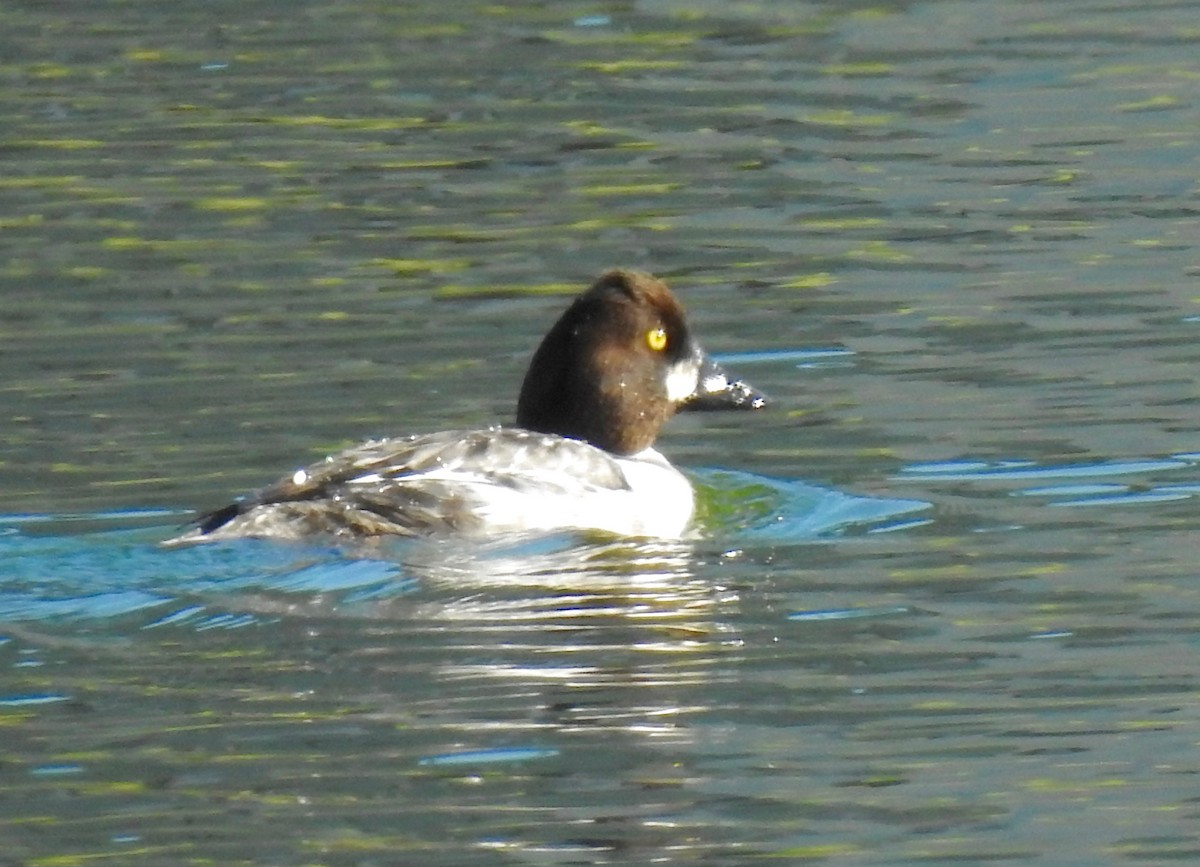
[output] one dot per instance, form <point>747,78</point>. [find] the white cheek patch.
<point>681,381</point>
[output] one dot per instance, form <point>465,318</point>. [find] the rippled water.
<point>945,604</point>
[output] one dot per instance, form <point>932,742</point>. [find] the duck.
<point>616,366</point>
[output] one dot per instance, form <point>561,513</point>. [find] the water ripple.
<point>1068,494</point>
<point>53,574</point>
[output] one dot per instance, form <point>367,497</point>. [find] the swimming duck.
<point>617,364</point>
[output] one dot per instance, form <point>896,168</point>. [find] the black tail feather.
<point>218,518</point>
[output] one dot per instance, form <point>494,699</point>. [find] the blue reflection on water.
<point>763,509</point>
<point>832,356</point>
<point>489,757</point>
<point>827,614</point>
<point>55,770</point>
<point>49,573</point>
<point>972,470</point>
<point>1096,493</point>
<point>52,572</point>
<point>28,700</point>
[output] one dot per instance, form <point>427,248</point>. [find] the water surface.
<point>944,607</point>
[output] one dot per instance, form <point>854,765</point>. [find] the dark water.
<point>946,604</point>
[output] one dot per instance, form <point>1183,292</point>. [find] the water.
<point>944,608</point>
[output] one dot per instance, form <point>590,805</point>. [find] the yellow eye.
<point>656,339</point>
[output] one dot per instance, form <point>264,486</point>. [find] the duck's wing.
<point>411,485</point>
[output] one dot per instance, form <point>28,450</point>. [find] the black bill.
<point>715,390</point>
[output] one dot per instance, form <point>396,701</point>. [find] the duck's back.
<point>469,482</point>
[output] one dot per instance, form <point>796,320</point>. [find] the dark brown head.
<point>615,367</point>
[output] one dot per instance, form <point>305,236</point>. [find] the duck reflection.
<point>609,633</point>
